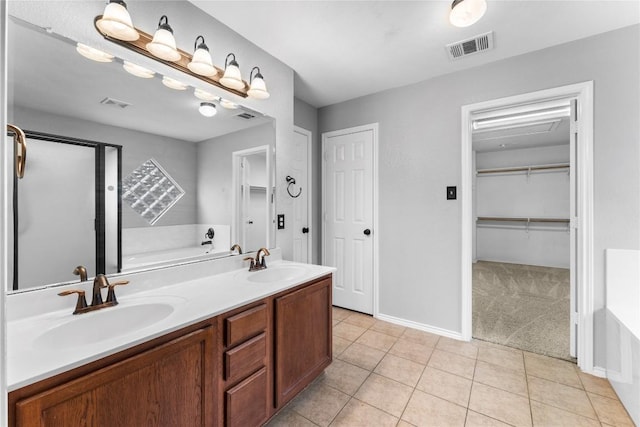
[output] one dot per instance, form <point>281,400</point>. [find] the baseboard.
<point>598,371</point>
<point>420,326</point>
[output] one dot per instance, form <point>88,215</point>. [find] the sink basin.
<point>274,274</point>
<point>104,324</point>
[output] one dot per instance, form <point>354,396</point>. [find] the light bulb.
<point>163,45</point>
<point>116,22</point>
<point>232,77</point>
<point>258,89</point>
<point>467,12</point>
<point>207,109</point>
<point>201,62</point>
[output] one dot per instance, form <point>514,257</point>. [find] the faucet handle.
<point>111,295</point>
<point>82,301</point>
<point>253,262</point>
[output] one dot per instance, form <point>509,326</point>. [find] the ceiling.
<point>342,50</point>
<point>542,134</point>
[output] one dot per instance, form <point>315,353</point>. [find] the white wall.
<point>541,194</point>
<point>420,154</point>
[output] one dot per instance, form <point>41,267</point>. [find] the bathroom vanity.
<point>235,349</point>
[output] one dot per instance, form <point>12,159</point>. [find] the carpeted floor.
<point>522,306</point>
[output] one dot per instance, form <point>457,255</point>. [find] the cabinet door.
<point>170,385</point>
<point>303,338</point>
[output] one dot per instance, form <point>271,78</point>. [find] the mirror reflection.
<point>126,172</point>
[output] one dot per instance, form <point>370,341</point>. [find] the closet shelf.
<point>527,169</point>
<point>519,219</point>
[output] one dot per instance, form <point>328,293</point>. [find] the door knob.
<point>305,229</point>
<point>367,232</point>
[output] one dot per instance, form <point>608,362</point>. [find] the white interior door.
<point>348,216</point>
<point>301,212</point>
<point>246,222</point>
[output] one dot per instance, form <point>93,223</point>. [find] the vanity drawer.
<point>245,325</point>
<point>245,403</point>
<point>245,358</point>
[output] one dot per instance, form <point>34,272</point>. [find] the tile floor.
<point>388,375</point>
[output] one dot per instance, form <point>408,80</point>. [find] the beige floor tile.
<point>427,410</point>
<point>334,322</point>
<point>362,355</point>
<point>501,357</point>
<point>341,313</point>
<point>560,396</point>
<point>597,385</point>
<point>289,418</point>
<point>377,340</point>
<point>421,337</point>
<point>385,394</point>
<point>503,378</point>
<point>359,414</point>
<point>359,319</point>
<point>610,411</point>
<point>344,376</point>
<point>399,369</point>
<point>320,403</point>
<point>552,369</point>
<point>348,331</point>
<point>501,405</point>
<point>403,423</point>
<point>445,386</point>
<point>452,363</point>
<point>339,345</point>
<point>466,349</point>
<point>545,415</point>
<point>412,350</point>
<point>475,419</point>
<point>388,328</point>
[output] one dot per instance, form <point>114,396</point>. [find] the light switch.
<point>280,221</point>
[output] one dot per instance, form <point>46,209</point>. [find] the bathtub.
<point>623,327</point>
<point>170,256</point>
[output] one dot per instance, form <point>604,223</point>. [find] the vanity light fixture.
<point>201,62</point>
<point>137,70</point>
<point>229,105</point>
<point>116,22</point>
<point>207,109</point>
<point>173,83</point>
<point>204,95</point>
<point>258,88</point>
<point>93,53</point>
<point>163,45</point>
<point>466,12</point>
<point>232,77</point>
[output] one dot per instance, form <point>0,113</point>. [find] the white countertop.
<point>193,300</point>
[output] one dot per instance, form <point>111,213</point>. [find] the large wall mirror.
<point>125,173</point>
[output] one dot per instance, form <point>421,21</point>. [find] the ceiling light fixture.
<point>204,95</point>
<point>137,70</point>
<point>163,45</point>
<point>207,109</point>
<point>229,105</point>
<point>467,12</point>
<point>173,83</point>
<point>93,53</point>
<point>232,77</point>
<point>532,117</point>
<point>258,88</point>
<point>201,62</point>
<point>116,22</point>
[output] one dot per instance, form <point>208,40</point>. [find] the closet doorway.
<point>527,241</point>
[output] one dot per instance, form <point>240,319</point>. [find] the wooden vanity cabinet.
<point>170,384</point>
<point>303,338</point>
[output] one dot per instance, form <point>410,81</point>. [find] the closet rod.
<point>524,168</point>
<point>494,218</point>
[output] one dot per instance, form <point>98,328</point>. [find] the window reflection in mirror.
<point>55,90</point>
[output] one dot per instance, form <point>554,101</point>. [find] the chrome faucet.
<point>97,303</point>
<point>258,263</point>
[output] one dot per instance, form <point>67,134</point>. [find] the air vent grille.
<point>114,102</point>
<point>246,116</point>
<point>470,46</point>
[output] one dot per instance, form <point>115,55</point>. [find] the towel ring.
<point>292,181</point>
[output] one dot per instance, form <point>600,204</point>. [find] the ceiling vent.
<point>470,46</point>
<point>245,116</point>
<point>114,103</point>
